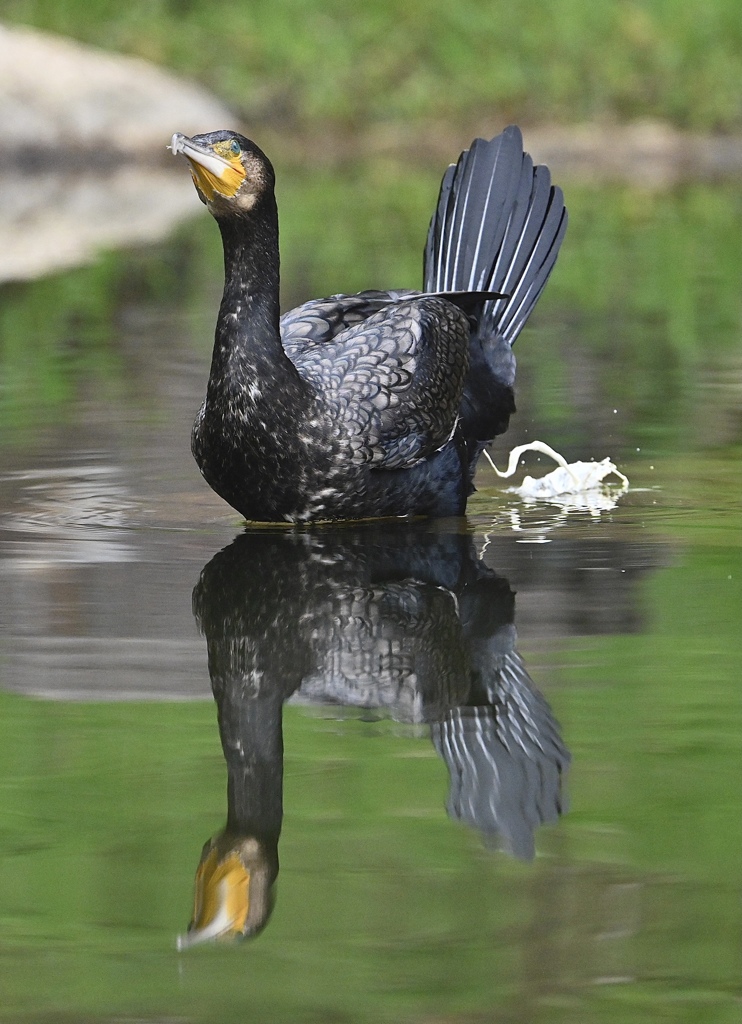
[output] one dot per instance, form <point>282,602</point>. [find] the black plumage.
<point>394,619</point>
<point>380,403</point>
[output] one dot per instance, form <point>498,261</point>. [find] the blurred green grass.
<point>338,63</point>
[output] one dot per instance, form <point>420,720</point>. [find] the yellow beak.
<point>213,174</point>
<point>222,900</point>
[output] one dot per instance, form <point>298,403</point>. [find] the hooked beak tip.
<point>176,144</point>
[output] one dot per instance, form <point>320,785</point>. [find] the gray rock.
<point>83,164</point>
<point>56,94</point>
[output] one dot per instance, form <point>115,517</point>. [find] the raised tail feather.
<point>498,227</point>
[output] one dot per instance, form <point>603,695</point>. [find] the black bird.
<point>380,403</point>
<point>400,619</point>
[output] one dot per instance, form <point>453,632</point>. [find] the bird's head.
<point>231,173</point>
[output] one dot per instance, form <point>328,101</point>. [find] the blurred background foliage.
<point>339,64</point>
<point>315,83</point>
<point>647,284</point>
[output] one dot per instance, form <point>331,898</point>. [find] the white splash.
<point>573,484</point>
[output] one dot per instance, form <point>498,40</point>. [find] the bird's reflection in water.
<point>401,617</point>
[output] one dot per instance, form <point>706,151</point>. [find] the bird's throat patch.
<point>222,177</point>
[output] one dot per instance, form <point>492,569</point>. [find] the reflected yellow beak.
<point>222,900</point>
<point>213,173</point>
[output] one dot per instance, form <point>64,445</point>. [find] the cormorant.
<point>401,619</point>
<point>376,404</point>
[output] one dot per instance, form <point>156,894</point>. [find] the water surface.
<point>580,863</point>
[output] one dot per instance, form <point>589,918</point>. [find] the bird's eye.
<point>235,147</point>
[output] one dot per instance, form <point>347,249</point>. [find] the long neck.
<point>247,346</point>
<point>250,729</point>
<point>253,749</point>
<point>251,272</point>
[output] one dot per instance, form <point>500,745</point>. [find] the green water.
<point>112,774</point>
